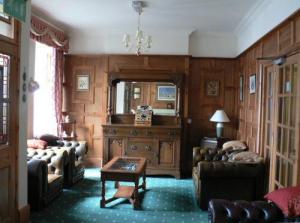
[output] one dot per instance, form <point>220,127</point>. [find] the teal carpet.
<point>165,200</point>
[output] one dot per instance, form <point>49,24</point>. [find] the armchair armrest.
<point>37,182</point>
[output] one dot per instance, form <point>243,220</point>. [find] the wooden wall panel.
<point>202,107</point>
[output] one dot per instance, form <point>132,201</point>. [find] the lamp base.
<point>220,129</point>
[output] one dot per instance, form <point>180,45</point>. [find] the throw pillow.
<point>36,144</point>
<point>234,145</point>
<point>287,199</point>
<point>50,139</point>
<point>245,157</point>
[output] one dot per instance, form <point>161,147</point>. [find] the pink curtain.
<point>42,32</point>
<point>59,67</point>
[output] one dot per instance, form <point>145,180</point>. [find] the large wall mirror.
<point>161,96</point>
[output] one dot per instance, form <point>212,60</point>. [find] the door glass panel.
<point>280,80</point>
<point>268,142</point>
<point>280,108</point>
<point>287,84</point>
<point>283,170</point>
<point>294,77</point>
<point>286,108</point>
<point>293,112</point>
<point>292,149</point>
<point>284,142</point>
<point>278,139</point>
<point>269,109</point>
<point>277,168</point>
<point>290,175</point>
<point>4,98</point>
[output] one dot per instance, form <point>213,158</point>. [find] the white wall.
<point>212,45</point>
<point>262,20</point>
<point>22,153</point>
<point>175,43</point>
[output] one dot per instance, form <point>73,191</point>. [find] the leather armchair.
<point>45,181</point>
<point>226,180</point>
<point>224,211</point>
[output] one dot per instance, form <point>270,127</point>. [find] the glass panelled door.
<point>286,125</point>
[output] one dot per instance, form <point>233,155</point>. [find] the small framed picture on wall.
<point>252,84</point>
<point>82,82</point>
<point>212,88</point>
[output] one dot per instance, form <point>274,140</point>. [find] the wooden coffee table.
<point>127,169</point>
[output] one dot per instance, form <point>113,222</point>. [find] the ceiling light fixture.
<point>142,42</point>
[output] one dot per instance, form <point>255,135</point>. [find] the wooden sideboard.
<point>159,144</point>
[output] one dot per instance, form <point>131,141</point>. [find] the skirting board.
<point>24,214</point>
<point>93,162</point>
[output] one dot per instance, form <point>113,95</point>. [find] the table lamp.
<point>219,117</point>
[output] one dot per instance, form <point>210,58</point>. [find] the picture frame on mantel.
<point>212,88</point>
<point>252,84</point>
<point>82,82</point>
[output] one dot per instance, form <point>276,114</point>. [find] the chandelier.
<point>141,42</point>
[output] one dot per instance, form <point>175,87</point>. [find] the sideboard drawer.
<point>143,147</point>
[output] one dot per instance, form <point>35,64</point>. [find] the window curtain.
<point>45,33</point>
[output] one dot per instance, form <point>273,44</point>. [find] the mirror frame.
<point>143,76</point>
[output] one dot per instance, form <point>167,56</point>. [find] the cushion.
<point>36,144</point>
<point>287,199</point>
<point>245,157</point>
<point>50,139</point>
<point>234,145</point>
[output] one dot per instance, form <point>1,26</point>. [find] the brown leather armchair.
<point>226,180</point>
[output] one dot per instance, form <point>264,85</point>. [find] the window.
<point>44,120</point>
<point>6,24</point>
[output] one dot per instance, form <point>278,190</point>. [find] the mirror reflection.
<point>160,96</point>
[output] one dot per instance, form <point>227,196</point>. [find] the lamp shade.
<point>219,116</point>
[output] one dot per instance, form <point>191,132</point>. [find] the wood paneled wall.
<point>283,39</point>
<point>202,107</point>
<point>89,108</point>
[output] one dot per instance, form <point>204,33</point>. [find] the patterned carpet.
<point>165,200</point>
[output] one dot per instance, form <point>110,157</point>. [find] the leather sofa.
<point>226,180</point>
<point>73,153</point>
<point>224,211</point>
<point>45,180</point>
<point>74,168</point>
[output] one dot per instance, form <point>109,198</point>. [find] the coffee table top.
<point>125,165</point>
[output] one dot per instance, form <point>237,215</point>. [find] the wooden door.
<point>268,118</point>
<point>8,131</point>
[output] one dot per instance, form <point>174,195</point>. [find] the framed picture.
<point>82,82</point>
<point>252,84</point>
<point>241,88</point>
<point>212,88</point>
<point>166,93</point>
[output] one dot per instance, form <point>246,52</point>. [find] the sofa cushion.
<point>287,199</point>
<point>36,144</point>
<point>234,145</point>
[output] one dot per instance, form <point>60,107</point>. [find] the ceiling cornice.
<point>256,10</point>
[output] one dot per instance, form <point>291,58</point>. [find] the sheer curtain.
<point>44,114</point>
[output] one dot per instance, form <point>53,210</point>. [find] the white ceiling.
<point>98,16</point>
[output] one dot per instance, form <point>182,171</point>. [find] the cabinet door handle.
<point>148,148</point>
<point>133,132</point>
<point>133,147</point>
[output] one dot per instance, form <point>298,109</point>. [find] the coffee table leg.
<point>136,203</point>
<point>102,204</point>
<point>116,184</point>
<point>144,181</point>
